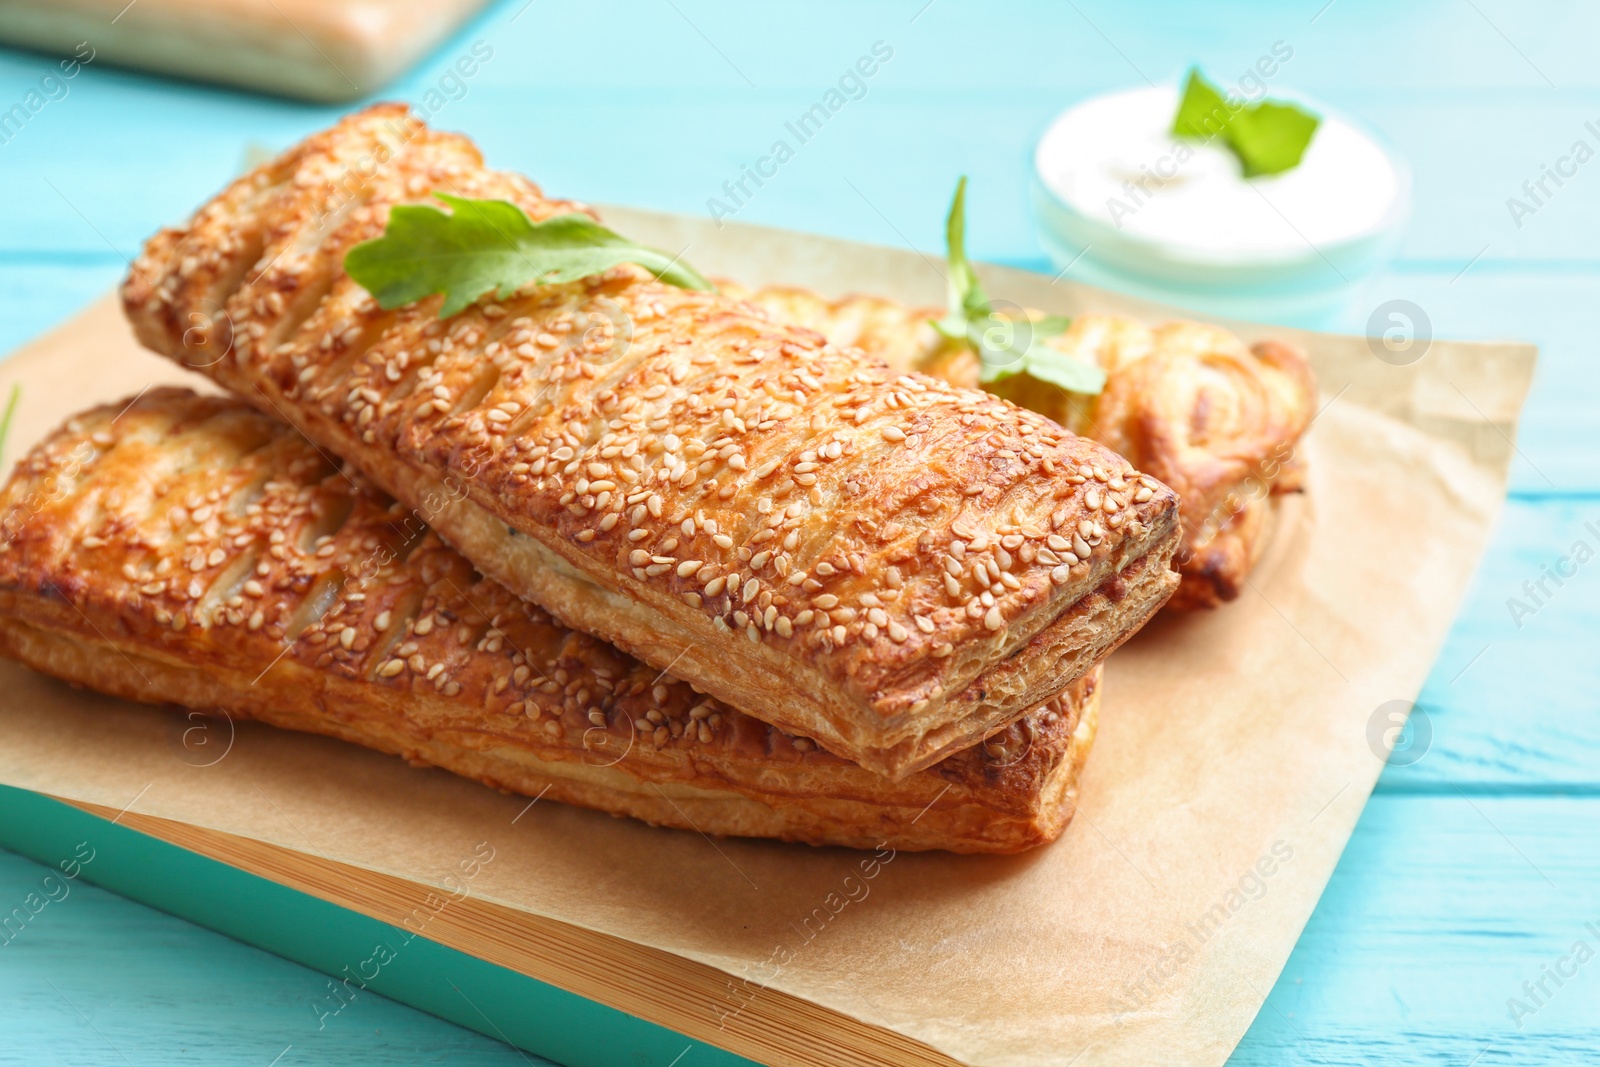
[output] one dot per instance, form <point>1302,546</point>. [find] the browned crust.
<point>191,550</point>
<point>1186,403</point>
<point>846,551</point>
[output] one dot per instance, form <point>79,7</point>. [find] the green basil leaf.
<point>1005,346</point>
<point>485,246</point>
<point>1069,372</point>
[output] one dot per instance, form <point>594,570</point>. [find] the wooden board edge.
<point>691,998</point>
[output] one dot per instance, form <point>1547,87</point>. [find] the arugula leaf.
<point>1268,138</point>
<point>486,246</point>
<point>1007,342</point>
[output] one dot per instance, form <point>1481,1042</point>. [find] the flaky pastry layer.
<point>878,560</point>
<point>191,550</point>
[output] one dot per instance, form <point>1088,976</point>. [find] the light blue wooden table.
<point>1473,869</point>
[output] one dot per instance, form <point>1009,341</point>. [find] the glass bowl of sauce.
<point>1124,204</point>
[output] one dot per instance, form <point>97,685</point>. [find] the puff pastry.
<point>191,550</point>
<point>883,562</point>
<point>1187,403</point>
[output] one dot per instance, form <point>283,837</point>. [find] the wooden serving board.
<point>326,50</point>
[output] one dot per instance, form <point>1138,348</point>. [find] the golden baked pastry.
<point>1187,403</point>
<point>191,550</point>
<point>881,561</point>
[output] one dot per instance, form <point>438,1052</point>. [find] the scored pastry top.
<point>892,535</point>
<point>1186,402</point>
<point>199,531</point>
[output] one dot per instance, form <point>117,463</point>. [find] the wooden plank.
<point>1510,703</point>
<point>36,294</point>
<point>893,145</point>
<point>1440,910</point>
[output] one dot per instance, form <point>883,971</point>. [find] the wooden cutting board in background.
<point>325,50</point>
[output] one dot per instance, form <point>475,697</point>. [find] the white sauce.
<point>1112,159</point>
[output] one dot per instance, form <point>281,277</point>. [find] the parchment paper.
<point>1235,753</point>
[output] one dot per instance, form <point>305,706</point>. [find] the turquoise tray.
<point>533,1015</point>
